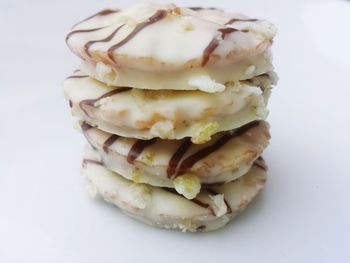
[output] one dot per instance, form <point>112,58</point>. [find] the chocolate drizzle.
<point>91,102</point>
<point>110,140</point>
<point>214,43</point>
<point>90,43</point>
<point>201,228</point>
<point>160,14</point>
<point>234,20</point>
<point>137,149</point>
<point>86,161</point>
<point>204,205</point>
<point>85,126</point>
<point>70,103</point>
<point>198,8</point>
<point>176,158</point>
<point>194,200</point>
<point>259,165</point>
<point>204,152</point>
<point>82,31</point>
<point>104,12</point>
<point>77,76</point>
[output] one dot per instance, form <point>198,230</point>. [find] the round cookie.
<point>157,46</point>
<point>213,208</point>
<point>181,164</point>
<point>145,114</point>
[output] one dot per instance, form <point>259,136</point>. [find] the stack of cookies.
<point>172,102</point>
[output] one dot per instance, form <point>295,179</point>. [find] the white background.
<point>303,213</point>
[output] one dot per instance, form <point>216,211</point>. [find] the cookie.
<point>181,164</point>
<point>213,208</point>
<point>145,114</point>
<point>158,46</point>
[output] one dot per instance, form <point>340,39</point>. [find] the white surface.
<point>303,214</point>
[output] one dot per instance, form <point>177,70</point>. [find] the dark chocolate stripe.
<point>137,149</point>
<point>213,192</point>
<point>214,43</point>
<point>262,167</point>
<point>91,102</point>
<point>233,20</point>
<point>70,103</point>
<point>86,161</point>
<point>208,50</point>
<point>85,126</point>
<point>175,159</point>
<point>110,140</point>
<point>77,76</point>
<point>82,31</point>
<point>198,8</point>
<point>160,14</point>
<point>109,38</point>
<point>191,160</point>
<point>201,228</point>
<point>104,12</point>
<point>202,204</point>
<point>194,200</point>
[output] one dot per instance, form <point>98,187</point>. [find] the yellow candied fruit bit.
<point>136,175</point>
<point>187,185</point>
<point>141,195</point>
<point>176,11</point>
<point>148,158</point>
<point>187,27</point>
<point>205,132</point>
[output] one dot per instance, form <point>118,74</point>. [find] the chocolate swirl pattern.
<point>137,149</point>
<point>160,14</point>
<point>107,39</point>
<point>82,31</point>
<point>234,20</point>
<point>177,156</point>
<point>214,43</point>
<point>91,103</point>
<point>109,142</point>
<point>187,163</point>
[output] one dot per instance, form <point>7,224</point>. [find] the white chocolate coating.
<point>168,114</point>
<point>225,164</point>
<point>169,53</point>
<point>213,208</point>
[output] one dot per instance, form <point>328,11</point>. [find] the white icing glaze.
<point>172,44</point>
<point>228,163</point>
<point>165,114</point>
<point>157,207</point>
